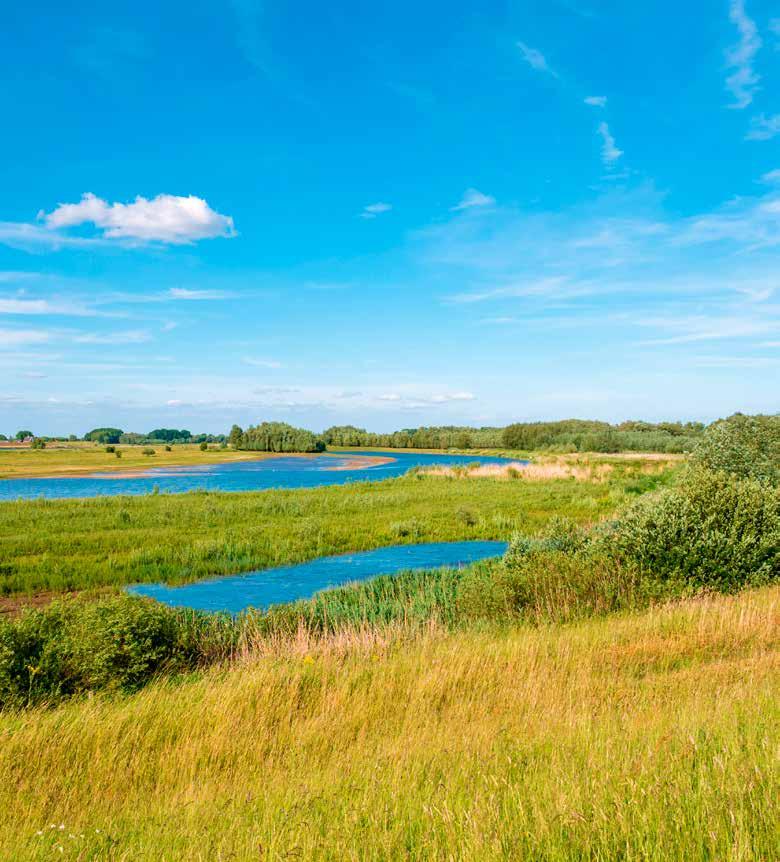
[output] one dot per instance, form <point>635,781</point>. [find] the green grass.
<point>647,736</point>
<point>59,545</point>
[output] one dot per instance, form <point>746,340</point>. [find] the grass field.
<point>639,737</point>
<point>72,459</point>
<point>57,545</point>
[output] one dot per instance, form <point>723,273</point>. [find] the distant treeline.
<point>158,435</point>
<point>571,435</point>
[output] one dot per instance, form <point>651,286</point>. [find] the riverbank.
<point>88,460</point>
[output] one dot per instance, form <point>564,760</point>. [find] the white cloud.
<point>187,293</point>
<point>45,306</point>
<point>453,396</point>
<point>473,198</point>
<point>166,218</point>
<point>390,396</point>
<point>609,152</point>
<point>742,83</point>
<point>18,337</point>
<point>771,177</point>
<point>763,128</point>
<point>596,101</point>
<point>534,58</point>
<point>373,210</point>
<point>261,363</point>
<point>135,336</point>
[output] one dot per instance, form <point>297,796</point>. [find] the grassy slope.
<point>647,737</point>
<point>78,544</point>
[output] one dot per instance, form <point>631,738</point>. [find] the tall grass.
<point>642,737</point>
<point>80,544</point>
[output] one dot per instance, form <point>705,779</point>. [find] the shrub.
<point>747,446</point>
<point>168,448</point>
<point>204,446</point>
<point>118,453</point>
<point>711,530</point>
<point>119,643</point>
<point>110,449</point>
<point>148,451</point>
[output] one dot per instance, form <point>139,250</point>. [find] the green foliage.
<point>234,438</point>
<point>578,435</point>
<point>280,437</point>
<point>711,531</point>
<point>148,451</point>
<point>111,449</point>
<point>441,437</point>
<point>167,435</point>
<point>204,446</point>
<point>118,643</point>
<point>38,443</point>
<point>104,435</point>
<point>23,435</point>
<point>747,446</point>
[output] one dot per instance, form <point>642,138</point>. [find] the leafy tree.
<point>104,435</point>
<point>21,435</point>
<point>747,446</point>
<point>280,437</point>
<point>234,438</point>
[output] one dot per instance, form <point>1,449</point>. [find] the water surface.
<point>262,589</point>
<point>278,472</point>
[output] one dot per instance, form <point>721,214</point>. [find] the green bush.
<point>111,449</point>
<point>204,446</point>
<point>148,451</point>
<point>747,446</point>
<point>120,643</point>
<point>711,530</point>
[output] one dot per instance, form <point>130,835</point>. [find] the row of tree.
<point>158,435</point>
<point>571,435</point>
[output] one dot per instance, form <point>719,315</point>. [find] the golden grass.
<point>644,737</point>
<point>527,472</point>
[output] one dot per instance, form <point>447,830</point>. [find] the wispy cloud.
<point>535,58</point>
<point>473,198</point>
<point>743,82</point>
<point>596,101</point>
<point>187,293</point>
<point>261,363</point>
<point>134,336</point>
<point>763,128</point>
<point>373,210</point>
<point>11,338</point>
<point>609,151</point>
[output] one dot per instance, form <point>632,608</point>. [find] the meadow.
<point>88,543</point>
<point>608,690</point>
<point>78,458</point>
<point>641,736</point>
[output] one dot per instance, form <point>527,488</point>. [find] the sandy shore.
<point>362,462</point>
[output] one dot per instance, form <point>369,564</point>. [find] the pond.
<point>287,583</point>
<point>276,472</point>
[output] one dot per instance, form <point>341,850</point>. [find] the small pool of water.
<point>262,589</point>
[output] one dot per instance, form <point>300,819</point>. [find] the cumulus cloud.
<point>763,128</point>
<point>166,218</point>
<point>373,210</point>
<point>609,151</point>
<point>742,83</point>
<point>473,198</point>
<point>596,101</point>
<point>534,58</point>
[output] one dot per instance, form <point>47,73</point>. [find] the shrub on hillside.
<point>711,530</point>
<point>118,643</point>
<point>747,446</point>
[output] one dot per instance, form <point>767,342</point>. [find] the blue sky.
<point>388,214</point>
